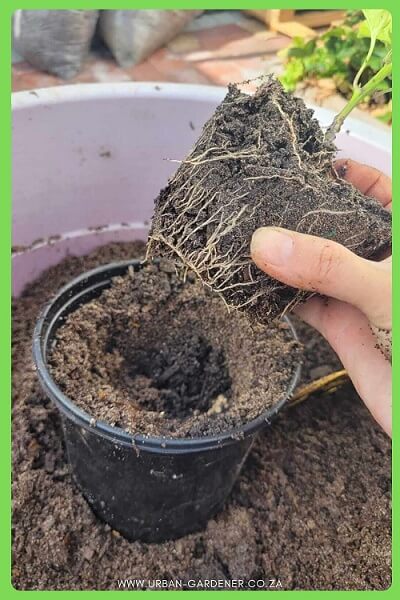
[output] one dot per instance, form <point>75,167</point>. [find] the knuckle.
<point>328,261</point>
<point>375,183</point>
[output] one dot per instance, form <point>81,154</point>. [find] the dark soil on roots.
<point>157,356</point>
<point>311,506</point>
<point>260,160</point>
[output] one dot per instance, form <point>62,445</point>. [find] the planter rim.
<point>164,445</point>
<point>83,92</point>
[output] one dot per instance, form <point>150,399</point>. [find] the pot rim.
<point>118,435</point>
<point>83,92</point>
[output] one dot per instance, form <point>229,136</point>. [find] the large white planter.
<point>90,156</point>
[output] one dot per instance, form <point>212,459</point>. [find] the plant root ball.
<point>260,160</point>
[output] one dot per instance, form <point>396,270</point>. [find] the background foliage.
<point>338,54</point>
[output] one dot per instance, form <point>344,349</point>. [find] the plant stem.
<point>358,95</point>
<point>365,63</point>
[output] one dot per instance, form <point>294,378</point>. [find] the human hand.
<point>359,292</point>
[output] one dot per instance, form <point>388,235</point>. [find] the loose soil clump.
<point>261,160</point>
<point>311,506</point>
<point>158,356</point>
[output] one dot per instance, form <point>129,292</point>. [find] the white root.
<point>289,122</point>
<point>217,271</point>
<point>322,211</point>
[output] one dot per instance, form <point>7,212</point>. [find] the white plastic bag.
<point>132,35</point>
<point>56,41</point>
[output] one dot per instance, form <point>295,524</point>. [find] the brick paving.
<point>218,48</point>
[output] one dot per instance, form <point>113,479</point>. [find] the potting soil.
<point>157,356</point>
<point>311,509</point>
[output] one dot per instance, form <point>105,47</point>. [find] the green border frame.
<point>7,7</point>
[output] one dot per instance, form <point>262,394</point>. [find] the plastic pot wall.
<point>86,156</point>
<point>148,488</point>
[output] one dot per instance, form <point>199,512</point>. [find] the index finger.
<point>368,180</point>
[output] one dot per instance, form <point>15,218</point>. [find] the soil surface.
<point>157,356</point>
<point>311,507</point>
<point>260,160</point>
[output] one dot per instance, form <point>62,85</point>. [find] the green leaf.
<point>356,55</point>
<point>336,32</point>
<point>353,17</point>
<point>300,52</point>
<point>294,73</point>
<point>377,26</point>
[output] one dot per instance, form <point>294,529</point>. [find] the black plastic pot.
<point>147,488</point>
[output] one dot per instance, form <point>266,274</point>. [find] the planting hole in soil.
<point>158,356</point>
<point>260,160</point>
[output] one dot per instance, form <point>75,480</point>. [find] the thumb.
<point>319,265</point>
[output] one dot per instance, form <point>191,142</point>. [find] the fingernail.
<point>271,245</point>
